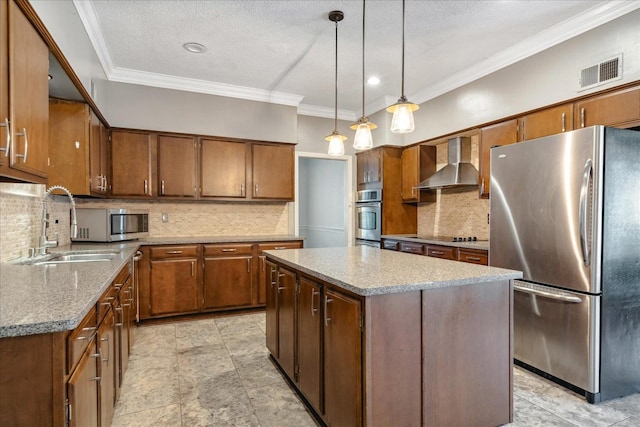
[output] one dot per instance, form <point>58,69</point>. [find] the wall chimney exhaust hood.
<point>459,172</point>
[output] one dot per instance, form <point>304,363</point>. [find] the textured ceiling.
<point>282,48</point>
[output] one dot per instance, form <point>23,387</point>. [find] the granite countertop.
<point>370,271</point>
<point>37,299</point>
<point>480,244</point>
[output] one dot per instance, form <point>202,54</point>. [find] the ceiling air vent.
<point>597,74</point>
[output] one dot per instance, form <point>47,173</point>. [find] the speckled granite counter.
<point>480,244</point>
<point>370,271</point>
<point>38,299</point>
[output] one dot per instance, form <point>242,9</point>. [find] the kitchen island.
<point>374,337</point>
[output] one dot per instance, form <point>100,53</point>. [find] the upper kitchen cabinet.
<point>272,171</point>
<point>131,164</point>
<point>223,167</point>
<point>504,133</point>
<point>77,148</point>
<point>546,122</point>
<point>177,156</point>
<point>369,168</point>
<point>418,163</point>
<point>24,69</point>
<point>620,109</point>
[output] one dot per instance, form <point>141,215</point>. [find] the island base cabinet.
<point>271,308</point>
<point>467,376</point>
<point>342,360</point>
<point>286,288</point>
<point>309,341</point>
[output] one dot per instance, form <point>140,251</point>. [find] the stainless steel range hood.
<point>459,172</point>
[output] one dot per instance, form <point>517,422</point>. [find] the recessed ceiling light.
<point>373,81</point>
<point>194,47</point>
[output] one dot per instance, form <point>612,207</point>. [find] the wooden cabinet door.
<point>5,136</point>
<point>82,390</point>
<point>410,173</point>
<point>342,360</point>
<point>272,171</point>
<point>176,166</point>
<point>271,308</point>
<point>473,256</point>
<point>309,342</point>
<point>361,168</point>
<point>286,320</point>
<point>444,252</point>
<point>97,169</point>
<point>614,109</point>
<point>69,146</point>
<point>228,282</point>
<point>107,346</point>
<point>28,96</point>
<point>123,315</point>
<point>546,122</point>
<point>262,265</point>
<point>223,167</point>
<point>374,166</point>
<point>174,286</point>
<point>130,164</point>
<point>504,133</point>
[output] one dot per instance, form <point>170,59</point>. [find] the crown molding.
<point>91,23</point>
<point>326,112</point>
<point>581,23</point>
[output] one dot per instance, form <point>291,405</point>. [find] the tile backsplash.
<point>21,218</point>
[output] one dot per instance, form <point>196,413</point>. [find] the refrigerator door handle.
<point>584,213</point>
<point>558,295</point>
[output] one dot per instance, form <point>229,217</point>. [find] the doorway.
<point>323,208</point>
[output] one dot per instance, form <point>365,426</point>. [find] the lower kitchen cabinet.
<point>228,276</point>
<point>444,252</point>
<point>107,346</point>
<point>474,256</point>
<point>310,341</point>
<point>286,306</point>
<point>262,270</point>
<point>342,360</point>
<point>82,389</point>
<point>271,308</point>
<point>174,285</point>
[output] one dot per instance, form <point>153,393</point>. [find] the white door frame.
<point>294,226</point>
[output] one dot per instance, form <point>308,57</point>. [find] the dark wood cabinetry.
<point>176,166</point>
<point>272,171</point>
<point>309,314</point>
<point>174,285</point>
<point>24,104</point>
<point>286,306</point>
<point>546,122</point>
<point>82,389</point>
<point>99,171</point>
<point>418,163</point>
<point>223,168</point>
<point>369,168</point>
<point>271,308</point>
<point>504,133</point>
<point>411,247</point>
<point>474,256</point>
<point>131,164</point>
<point>620,109</point>
<point>228,276</point>
<point>107,346</point>
<point>262,266</point>
<point>444,252</point>
<point>342,360</point>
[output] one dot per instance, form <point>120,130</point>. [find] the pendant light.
<point>336,139</point>
<point>402,121</point>
<point>363,128</point>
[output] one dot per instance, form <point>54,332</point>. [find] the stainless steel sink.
<point>76,258</point>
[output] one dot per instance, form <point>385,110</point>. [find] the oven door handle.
<point>368,204</point>
<point>557,295</point>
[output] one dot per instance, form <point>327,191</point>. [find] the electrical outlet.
<point>488,218</point>
<point>165,217</point>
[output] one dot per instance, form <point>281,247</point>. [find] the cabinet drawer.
<point>80,338</point>
<point>275,246</point>
<point>228,249</point>
<point>174,251</point>
<point>393,245</point>
<point>413,248</point>
<point>104,303</point>
<point>445,252</point>
<point>474,256</point>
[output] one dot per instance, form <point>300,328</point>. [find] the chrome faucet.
<point>44,242</point>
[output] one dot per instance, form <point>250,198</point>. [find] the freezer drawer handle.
<point>553,295</point>
<point>583,213</point>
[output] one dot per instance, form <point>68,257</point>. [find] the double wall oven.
<point>369,217</point>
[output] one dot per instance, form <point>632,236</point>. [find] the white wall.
<point>321,198</point>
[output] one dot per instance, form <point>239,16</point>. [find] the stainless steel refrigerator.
<point>565,210</point>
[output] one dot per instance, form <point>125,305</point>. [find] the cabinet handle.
<point>104,183</point>
<point>472,258</point>
<point>174,252</point>
<point>106,339</point>
<point>228,250</point>
<point>241,190</point>
<point>119,310</point>
<point>582,117</point>
<point>146,186</point>
<point>256,190</point>
<point>279,248</point>
<point>273,282</point>
<point>564,116</point>
<point>482,187</point>
<point>437,252</point>
<point>162,187</point>
<point>8,129</point>
<point>280,287</point>
<point>26,145</point>
<point>248,265</point>
<point>327,319</point>
<point>264,262</point>
<point>313,294</point>
<point>193,268</point>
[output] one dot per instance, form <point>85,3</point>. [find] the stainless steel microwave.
<point>111,225</point>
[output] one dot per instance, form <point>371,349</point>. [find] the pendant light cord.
<point>363,11</point>
<point>336,85</point>
<point>402,48</point>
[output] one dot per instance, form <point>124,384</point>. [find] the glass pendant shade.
<point>363,139</point>
<point>402,121</point>
<point>336,143</point>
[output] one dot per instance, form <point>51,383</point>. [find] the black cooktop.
<point>451,238</point>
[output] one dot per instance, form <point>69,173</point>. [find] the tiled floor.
<point>215,372</point>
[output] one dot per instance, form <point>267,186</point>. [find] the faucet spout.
<point>44,241</point>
